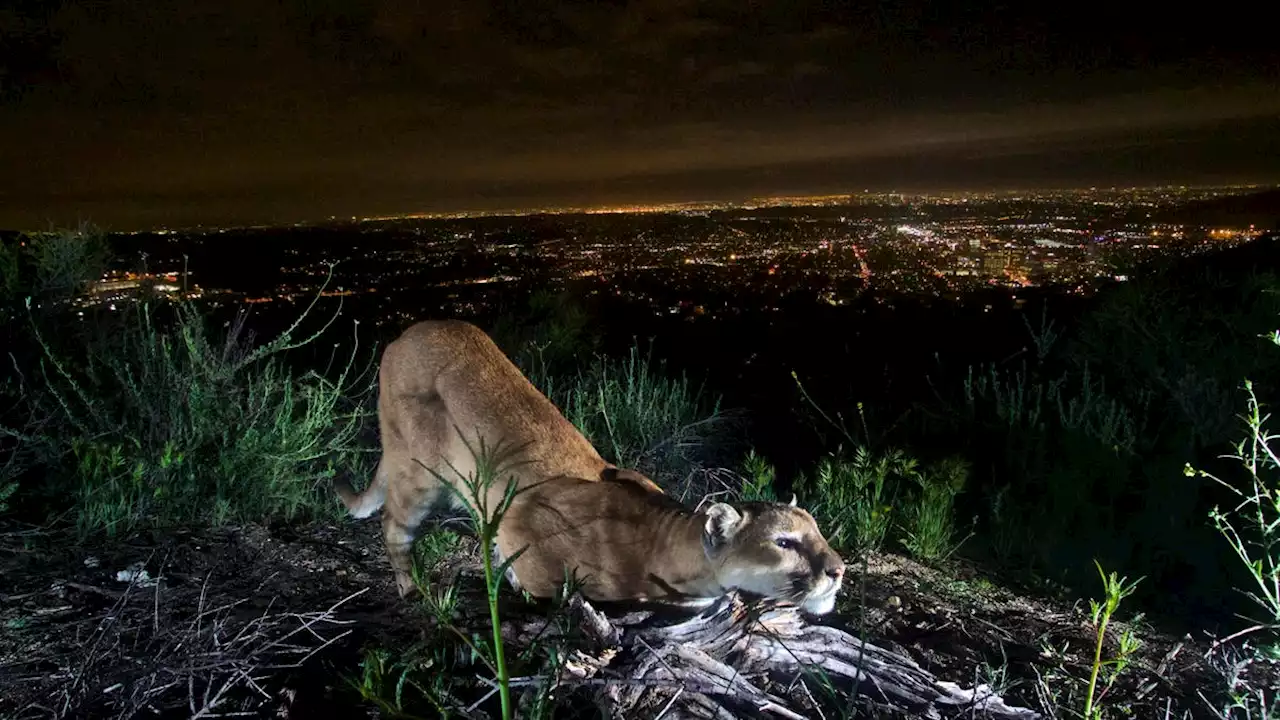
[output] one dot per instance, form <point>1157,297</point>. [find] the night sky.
<point>138,113</point>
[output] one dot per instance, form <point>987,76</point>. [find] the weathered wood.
<point>732,660</point>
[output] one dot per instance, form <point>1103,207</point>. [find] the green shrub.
<point>853,499</point>
<point>1065,452</point>
<point>637,417</point>
<point>1077,449</point>
<point>928,524</point>
<point>157,422</point>
<point>49,267</point>
<point>630,410</point>
<point>1010,532</point>
<point>1252,526</point>
<point>63,261</point>
<point>860,500</point>
<point>758,479</point>
<point>1182,339</point>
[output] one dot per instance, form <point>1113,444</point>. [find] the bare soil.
<point>271,621</point>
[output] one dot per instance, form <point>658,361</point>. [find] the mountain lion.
<point>444,386</point>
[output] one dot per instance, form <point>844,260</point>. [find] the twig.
<point>674,696</point>
<point>90,656</point>
<point>318,618</point>
<point>779,710</point>
<point>155,610</point>
<point>1217,643</point>
<point>104,592</point>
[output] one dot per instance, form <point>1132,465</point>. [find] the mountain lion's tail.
<point>363,504</point>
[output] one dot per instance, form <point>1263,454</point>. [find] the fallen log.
<point>739,660</point>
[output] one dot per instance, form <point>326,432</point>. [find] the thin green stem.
<point>499,656</point>
<point>1097,665</point>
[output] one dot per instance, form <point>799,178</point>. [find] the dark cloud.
<point>139,111</point>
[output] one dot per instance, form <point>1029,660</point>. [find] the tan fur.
<point>625,542</point>
<point>574,510</point>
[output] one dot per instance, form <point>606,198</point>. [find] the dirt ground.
<point>271,621</point>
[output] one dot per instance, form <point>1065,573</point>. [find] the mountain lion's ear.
<point>723,521</point>
<point>793,499</point>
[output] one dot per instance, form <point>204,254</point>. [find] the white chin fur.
<point>820,605</point>
<point>823,602</point>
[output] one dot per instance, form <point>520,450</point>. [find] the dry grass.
<point>271,621</point>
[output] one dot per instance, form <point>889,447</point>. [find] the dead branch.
<point>733,660</point>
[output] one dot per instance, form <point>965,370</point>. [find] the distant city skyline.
<point>141,114</point>
<point>690,264</point>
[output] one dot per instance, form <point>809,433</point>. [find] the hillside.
<point>171,542</point>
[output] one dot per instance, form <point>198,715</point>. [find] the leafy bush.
<point>758,479</point>
<point>1252,526</point>
<point>629,409</point>
<point>1182,339</point>
<point>853,498</point>
<point>65,260</point>
<point>637,417</point>
<point>146,418</point>
<point>49,266</point>
<point>1079,448</point>
<point>928,525</point>
<point>1065,452</point>
<point>863,501</point>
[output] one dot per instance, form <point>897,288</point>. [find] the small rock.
<point>137,574</point>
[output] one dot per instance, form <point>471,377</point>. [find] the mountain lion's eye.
<point>785,543</point>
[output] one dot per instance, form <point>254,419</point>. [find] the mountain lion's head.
<point>774,550</point>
